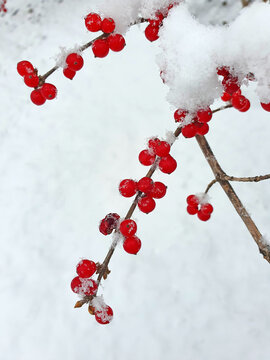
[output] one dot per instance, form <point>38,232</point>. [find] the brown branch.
<point>245,2</point>
<point>239,207</point>
<point>247,179</point>
<point>210,185</point>
<point>222,108</point>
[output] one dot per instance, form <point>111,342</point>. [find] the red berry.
<point>192,200</point>
<point>109,223</point>
<point>192,210</point>
<point>37,98</point>
<point>100,48</point>
<point>152,143</point>
<point>203,216</point>
<point>159,190</point>
<point>151,32</point>
<point>207,208</point>
<point>68,73</point>
<point>157,21</point>
<point>128,227</point>
<point>132,245</point>
<point>104,316</point>
<point>245,107</point>
<point>146,204</point>
<point>116,42</point>
<point>167,164</point>
<point>146,158</point>
<point>74,61</point>
<point>145,185</point>
<point>179,115</point>
<point>205,115</point>
<point>266,107</point>
<point>108,25</point>
<point>189,131</point>
<point>25,67</point>
<point>201,128</point>
<point>128,187</point>
<point>230,84</point>
<point>162,148</point>
<point>86,268</point>
<point>49,91</point>
<point>93,22</point>
<point>76,285</point>
<point>226,97</point>
<point>31,80</point>
<point>223,71</point>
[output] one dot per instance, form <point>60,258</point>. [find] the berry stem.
<point>222,108</point>
<point>236,202</point>
<point>210,185</point>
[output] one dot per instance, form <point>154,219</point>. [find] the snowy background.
<point>195,291</point>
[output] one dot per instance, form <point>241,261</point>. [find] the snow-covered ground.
<point>195,291</point>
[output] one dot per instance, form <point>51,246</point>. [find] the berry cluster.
<point>198,123</point>
<point>3,6</point>
<point>158,150</point>
<point>132,243</point>
<point>43,91</point>
<point>101,47</point>
<point>83,285</point>
<point>152,30</point>
<point>205,210</point>
<point>74,63</point>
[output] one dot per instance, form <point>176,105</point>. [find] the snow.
<point>196,290</point>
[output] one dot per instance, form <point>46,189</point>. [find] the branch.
<point>247,179</point>
<point>222,108</point>
<point>236,202</point>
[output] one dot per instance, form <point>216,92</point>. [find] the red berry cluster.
<point>3,6</point>
<point>74,63</point>
<point>42,92</point>
<point>132,243</point>
<point>152,30</point>
<point>198,126</point>
<point>158,149</point>
<point>205,210</point>
<point>103,312</point>
<point>101,47</point>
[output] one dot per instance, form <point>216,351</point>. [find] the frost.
<point>203,198</point>
<point>60,58</point>
<point>98,303</point>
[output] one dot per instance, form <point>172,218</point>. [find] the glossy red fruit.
<point>207,208</point>
<point>132,245</point>
<point>203,216</point>
<point>167,164</point>
<point>37,98</point>
<point>201,128</point>
<point>179,115</point>
<point>226,97</point>
<point>159,190</point>
<point>74,61</point>
<point>145,185</point>
<point>192,200</point>
<point>230,84</point>
<point>205,115</point>
<point>25,67</point>
<point>151,32</point>
<point>49,91</point>
<point>162,148</point>
<point>109,223</point>
<point>152,143</point>
<point>245,107</point>
<point>31,80</point>
<point>93,22</point>
<point>100,48</point>
<point>128,227</point>
<point>146,158</point>
<point>146,204</point>
<point>192,210</point>
<point>68,73</point>
<point>104,316</point>
<point>116,42</point>
<point>108,25</point>
<point>128,187</point>
<point>189,131</point>
<point>266,107</point>
<point>157,20</point>
<point>86,268</point>
<point>83,286</point>
<point>223,71</point>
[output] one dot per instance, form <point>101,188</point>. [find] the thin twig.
<point>210,185</point>
<point>239,207</point>
<point>222,108</point>
<point>247,179</point>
